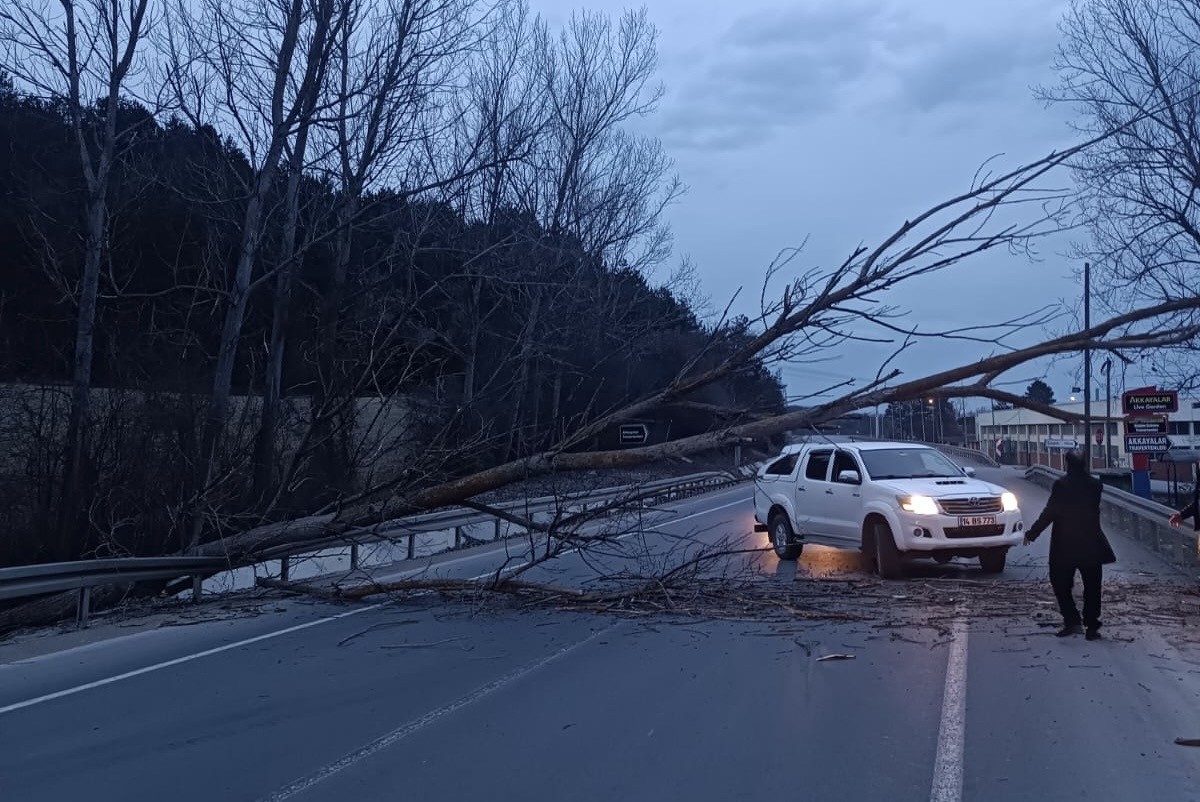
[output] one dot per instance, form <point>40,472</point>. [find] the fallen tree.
<point>816,312</point>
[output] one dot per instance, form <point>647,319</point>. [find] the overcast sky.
<point>838,119</point>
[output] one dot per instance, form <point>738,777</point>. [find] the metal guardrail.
<point>468,523</point>
<point>947,448</point>
<point>47,578</point>
<point>968,453</point>
<point>1144,519</point>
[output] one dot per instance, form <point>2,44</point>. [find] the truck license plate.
<point>977,520</point>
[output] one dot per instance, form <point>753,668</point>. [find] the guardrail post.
<point>82,608</point>
<point>411,544</point>
<point>283,569</point>
<point>495,529</point>
<point>353,556</point>
<point>197,587</point>
<point>458,537</point>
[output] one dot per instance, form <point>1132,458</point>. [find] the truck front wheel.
<point>887,557</point>
<point>992,561</point>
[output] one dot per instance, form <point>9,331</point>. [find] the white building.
<point>1031,438</point>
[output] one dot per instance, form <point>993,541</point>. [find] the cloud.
<point>969,70</point>
<point>773,70</point>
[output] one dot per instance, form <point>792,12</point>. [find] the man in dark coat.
<point>1077,543</point>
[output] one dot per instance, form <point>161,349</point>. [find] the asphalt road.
<point>425,700</point>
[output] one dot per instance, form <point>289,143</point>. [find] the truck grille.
<point>976,505</point>
<point>975,531</point>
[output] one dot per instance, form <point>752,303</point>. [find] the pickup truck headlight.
<point>1009,502</point>
<point>921,505</point>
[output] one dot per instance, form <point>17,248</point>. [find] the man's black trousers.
<point>1062,579</point>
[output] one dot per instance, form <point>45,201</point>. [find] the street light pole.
<point>1087,368</point>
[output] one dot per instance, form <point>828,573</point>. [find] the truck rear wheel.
<point>782,537</point>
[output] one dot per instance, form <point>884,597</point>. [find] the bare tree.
<point>504,116</point>
<point>393,63</point>
<point>1132,67</point>
<point>504,109</point>
<point>83,55</point>
<point>330,17</point>
<point>256,67</point>
<point>590,180</point>
<point>594,178</point>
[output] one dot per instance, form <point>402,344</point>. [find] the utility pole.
<point>1087,368</point>
<point>962,404</point>
<point>1107,411</point>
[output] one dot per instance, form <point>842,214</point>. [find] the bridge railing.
<point>1144,520</point>
<point>468,527</point>
<point>966,453</point>
<point>961,452</point>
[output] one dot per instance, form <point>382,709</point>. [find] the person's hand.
<point>1028,541</point>
<point>1175,519</point>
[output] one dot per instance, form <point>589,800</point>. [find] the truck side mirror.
<point>969,472</point>
<point>849,477</point>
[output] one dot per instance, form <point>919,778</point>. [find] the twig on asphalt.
<point>422,645</point>
<point>374,627</point>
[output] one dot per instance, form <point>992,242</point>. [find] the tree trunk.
<point>71,517</point>
<point>555,403</point>
<point>231,332</point>
<point>332,461</point>
<point>265,447</point>
<point>283,122</point>
<point>523,378</point>
<point>470,367</point>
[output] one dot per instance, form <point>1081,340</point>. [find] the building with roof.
<point>1023,437</point>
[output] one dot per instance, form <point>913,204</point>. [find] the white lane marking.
<point>185,659</point>
<point>620,537</point>
<point>948,765</point>
<point>403,731</point>
<point>246,642</point>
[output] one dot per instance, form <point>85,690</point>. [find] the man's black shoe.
<point>1069,629</point>
<point>1093,634</point>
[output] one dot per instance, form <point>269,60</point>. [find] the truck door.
<point>812,506</point>
<point>843,497</point>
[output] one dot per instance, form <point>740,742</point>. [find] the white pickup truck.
<point>895,501</point>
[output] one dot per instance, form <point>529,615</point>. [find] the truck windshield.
<point>907,463</point>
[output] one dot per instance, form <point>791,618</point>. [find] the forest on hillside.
<point>263,257</point>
